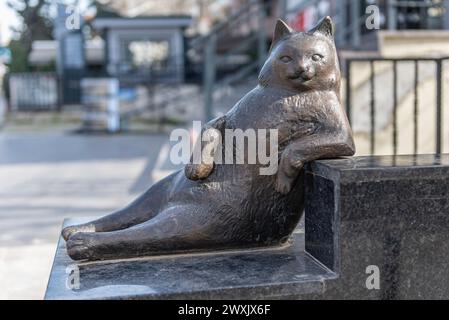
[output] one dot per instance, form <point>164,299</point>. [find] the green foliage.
<point>19,63</point>
<point>19,57</point>
<point>36,25</point>
<point>35,15</point>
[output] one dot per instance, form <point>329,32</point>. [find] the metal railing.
<point>349,17</point>
<point>417,11</point>
<point>34,91</point>
<point>375,93</point>
<point>253,14</point>
<point>168,72</point>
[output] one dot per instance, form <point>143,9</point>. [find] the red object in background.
<point>298,21</point>
<point>303,20</point>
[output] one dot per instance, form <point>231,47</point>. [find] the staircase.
<point>230,56</point>
<point>232,51</point>
<point>230,62</point>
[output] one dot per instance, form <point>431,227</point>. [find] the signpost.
<point>5,55</point>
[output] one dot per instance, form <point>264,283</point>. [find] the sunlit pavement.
<point>46,177</point>
<point>2,109</point>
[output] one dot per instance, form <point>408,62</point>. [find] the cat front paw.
<point>285,178</point>
<point>198,171</point>
<point>284,183</point>
<point>67,232</point>
<point>80,246</point>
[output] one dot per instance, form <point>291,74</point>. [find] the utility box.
<point>101,103</point>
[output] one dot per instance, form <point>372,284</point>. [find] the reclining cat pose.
<point>223,206</point>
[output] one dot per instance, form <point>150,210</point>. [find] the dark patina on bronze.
<point>227,206</point>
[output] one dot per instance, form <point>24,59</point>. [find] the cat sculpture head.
<point>302,61</point>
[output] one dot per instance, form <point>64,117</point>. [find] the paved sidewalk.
<point>46,177</point>
<point>2,108</point>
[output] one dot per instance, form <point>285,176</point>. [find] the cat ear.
<point>325,27</point>
<point>280,31</point>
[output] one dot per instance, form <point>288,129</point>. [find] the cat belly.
<point>237,208</point>
<point>224,185</point>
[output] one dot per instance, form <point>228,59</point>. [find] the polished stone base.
<point>380,217</point>
<point>274,273</point>
<point>375,228</point>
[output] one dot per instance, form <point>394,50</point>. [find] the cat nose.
<point>303,66</point>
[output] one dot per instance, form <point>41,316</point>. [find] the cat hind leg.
<point>175,230</point>
<point>145,207</point>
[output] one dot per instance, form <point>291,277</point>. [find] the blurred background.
<point>91,89</point>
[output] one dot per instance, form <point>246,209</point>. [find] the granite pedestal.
<point>387,214</point>
<point>390,213</point>
<point>273,273</point>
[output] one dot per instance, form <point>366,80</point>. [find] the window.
<point>140,55</point>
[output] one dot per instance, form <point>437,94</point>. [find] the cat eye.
<point>317,57</point>
<point>286,59</point>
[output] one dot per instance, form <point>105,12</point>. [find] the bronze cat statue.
<point>211,206</point>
